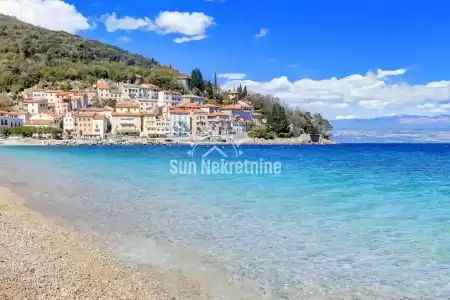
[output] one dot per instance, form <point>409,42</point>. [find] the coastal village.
<point>141,110</point>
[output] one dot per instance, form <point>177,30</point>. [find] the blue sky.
<point>316,40</point>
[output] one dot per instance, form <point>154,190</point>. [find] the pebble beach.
<point>41,260</point>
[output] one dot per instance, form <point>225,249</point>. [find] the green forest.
<point>30,55</point>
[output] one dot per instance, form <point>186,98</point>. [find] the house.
<point>233,96</point>
<point>24,115</point>
<point>128,106</point>
<point>69,122</point>
<point>193,99</point>
<point>99,126</point>
<point>179,122</point>
<point>10,119</point>
<point>35,106</point>
<point>239,126</point>
<point>90,125</point>
<point>162,127</point>
<point>83,124</point>
<point>131,91</point>
<point>147,105</point>
<point>41,120</point>
<point>38,94</point>
<point>150,91</point>
<point>198,124</point>
<point>210,108</point>
<point>63,105</point>
<point>188,106</point>
<point>258,118</point>
<point>39,123</point>
<point>126,123</point>
<point>149,125</point>
<point>102,87</point>
<point>184,80</point>
<point>218,123</point>
<point>106,111</point>
<point>243,111</point>
<point>169,98</point>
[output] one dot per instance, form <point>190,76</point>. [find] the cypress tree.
<point>215,81</point>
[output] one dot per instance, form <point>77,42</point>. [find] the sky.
<point>345,59</point>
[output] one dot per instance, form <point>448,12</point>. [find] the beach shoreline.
<point>42,260</point>
<point>72,143</point>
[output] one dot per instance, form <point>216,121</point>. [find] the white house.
<point>9,119</point>
<point>180,122</point>
<point>148,105</point>
<point>99,126</point>
<point>169,98</point>
<point>126,123</point>
<point>162,127</point>
<point>69,122</point>
<point>35,106</point>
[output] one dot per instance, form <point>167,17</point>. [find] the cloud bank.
<point>50,14</point>
<point>357,95</point>
<point>191,26</point>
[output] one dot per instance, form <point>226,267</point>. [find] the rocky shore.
<point>144,141</point>
<point>41,260</point>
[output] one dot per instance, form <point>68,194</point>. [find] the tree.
<point>209,90</point>
<point>215,82</point>
<point>277,120</point>
<point>239,90</point>
<point>322,125</point>
<point>197,80</point>
<point>5,132</point>
<point>244,92</point>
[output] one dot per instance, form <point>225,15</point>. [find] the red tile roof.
<point>99,117</point>
<point>85,115</point>
<point>216,114</point>
<point>102,85</point>
<point>127,104</point>
<point>32,101</point>
<point>39,122</point>
<point>118,114</point>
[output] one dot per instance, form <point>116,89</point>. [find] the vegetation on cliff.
<point>30,54</point>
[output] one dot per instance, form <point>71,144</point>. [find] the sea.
<point>348,221</point>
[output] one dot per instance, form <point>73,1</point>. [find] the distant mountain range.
<point>399,128</point>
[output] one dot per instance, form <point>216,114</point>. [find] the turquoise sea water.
<point>355,221</point>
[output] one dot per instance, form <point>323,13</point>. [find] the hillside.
<point>30,54</point>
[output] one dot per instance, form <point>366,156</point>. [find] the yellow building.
<point>149,125</point>
<point>83,124</point>
<point>128,106</point>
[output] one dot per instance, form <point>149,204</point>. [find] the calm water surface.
<point>356,221</point>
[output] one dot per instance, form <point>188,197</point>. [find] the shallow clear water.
<point>356,221</point>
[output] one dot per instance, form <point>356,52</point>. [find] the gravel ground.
<point>41,260</point>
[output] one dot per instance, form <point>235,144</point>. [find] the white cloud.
<point>186,39</point>
<point>382,74</point>
<point>373,104</point>
<point>51,14</point>
<point>192,26</point>
<point>183,22</point>
<point>232,76</point>
<point>349,117</point>
<point>113,23</point>
<point>322,104</point>
<point>437,110</point>
<point>369,95</point>
<point>426,106</point>
<point>262,32</point>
